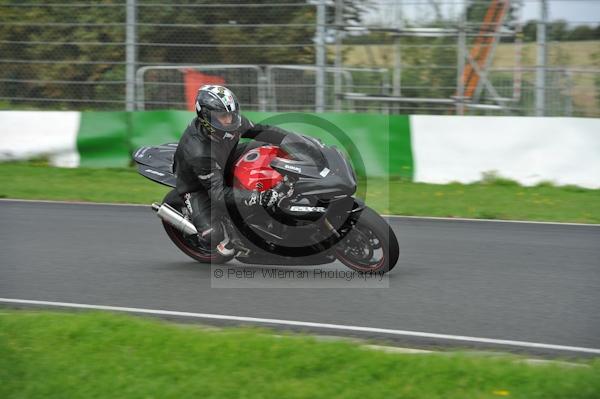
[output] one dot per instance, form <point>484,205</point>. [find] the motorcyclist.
<point>202,157</point>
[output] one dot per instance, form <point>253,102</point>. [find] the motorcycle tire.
<point>177,237</point>
<point>369,227</point>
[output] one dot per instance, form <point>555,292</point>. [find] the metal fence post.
<point>262,89</point>
<point>130,55</point>
<point>397,75</point>
<point>320,57</point>
<point>518,71</point>
<point>540,84</point>
<point>397,67</point>
<point>460,63</point>
<point>569,92</point>
<point>337,82</point>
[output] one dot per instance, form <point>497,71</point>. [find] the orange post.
<point>483,44</point>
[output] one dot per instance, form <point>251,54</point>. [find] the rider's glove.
<point>265,199</point>
<point>269,198</point>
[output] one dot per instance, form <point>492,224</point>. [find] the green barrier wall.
<point>382,143</point>
<point>103,139</point>
<point>157,127</point>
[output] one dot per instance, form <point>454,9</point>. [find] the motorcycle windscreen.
<point>304,149</point>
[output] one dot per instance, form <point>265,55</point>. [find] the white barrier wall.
<point>444,148</point>
<point>526,149</point>
<point>29,134</point>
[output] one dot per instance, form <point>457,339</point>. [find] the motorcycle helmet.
<point>218,111</point>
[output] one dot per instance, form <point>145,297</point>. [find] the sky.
<point>575,11</point>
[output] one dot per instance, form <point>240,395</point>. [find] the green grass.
<point>493,198</point>
<point>38,181</point>
<point>503,200</point>
<point>100,355</point>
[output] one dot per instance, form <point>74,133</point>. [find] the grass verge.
<point>97,355</point>
<point>493,198</point>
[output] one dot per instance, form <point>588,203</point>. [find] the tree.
<point>581,32</point>
<point>57,47</point>
<point>530,31</point>
<point>83,47</point>
<point>476,10</point>
<point>558,30</point>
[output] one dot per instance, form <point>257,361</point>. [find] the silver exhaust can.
<point>174,218</point>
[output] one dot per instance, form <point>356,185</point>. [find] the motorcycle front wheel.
<point>371,245</point>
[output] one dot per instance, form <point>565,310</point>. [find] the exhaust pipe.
<point>174,218</point>
<point>167,213</point>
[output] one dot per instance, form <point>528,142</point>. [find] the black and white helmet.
<point>218,110</point>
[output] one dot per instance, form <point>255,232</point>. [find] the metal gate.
<point>262,88</point>
<point>160,87</point>
<point>294,87</point>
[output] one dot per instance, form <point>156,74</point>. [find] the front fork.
<point>350,218</point>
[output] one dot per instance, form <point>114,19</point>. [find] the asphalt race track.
<point>538,283</point>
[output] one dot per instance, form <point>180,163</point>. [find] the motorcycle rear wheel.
<point>184,244</point>
<point>371,246</point>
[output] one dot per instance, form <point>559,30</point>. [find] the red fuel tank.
<point>253,170</point>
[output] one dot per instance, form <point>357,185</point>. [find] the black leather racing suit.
<point>200,162</point>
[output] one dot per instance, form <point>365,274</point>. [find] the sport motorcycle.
<point>318,219</point>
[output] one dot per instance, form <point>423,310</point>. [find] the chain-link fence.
<point>400,56</point>
<point>159,87</point>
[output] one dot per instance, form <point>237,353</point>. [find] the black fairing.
<point>296,168</point>
<point>316,169</point>
<point>156,163</point>
<point>339,180</point>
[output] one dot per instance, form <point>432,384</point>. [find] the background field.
<point>580,53</point>
<point>583,54</point>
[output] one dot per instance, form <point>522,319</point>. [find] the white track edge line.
<point>449,219</point>
<point>494,341</point>
<point>457,219</point>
